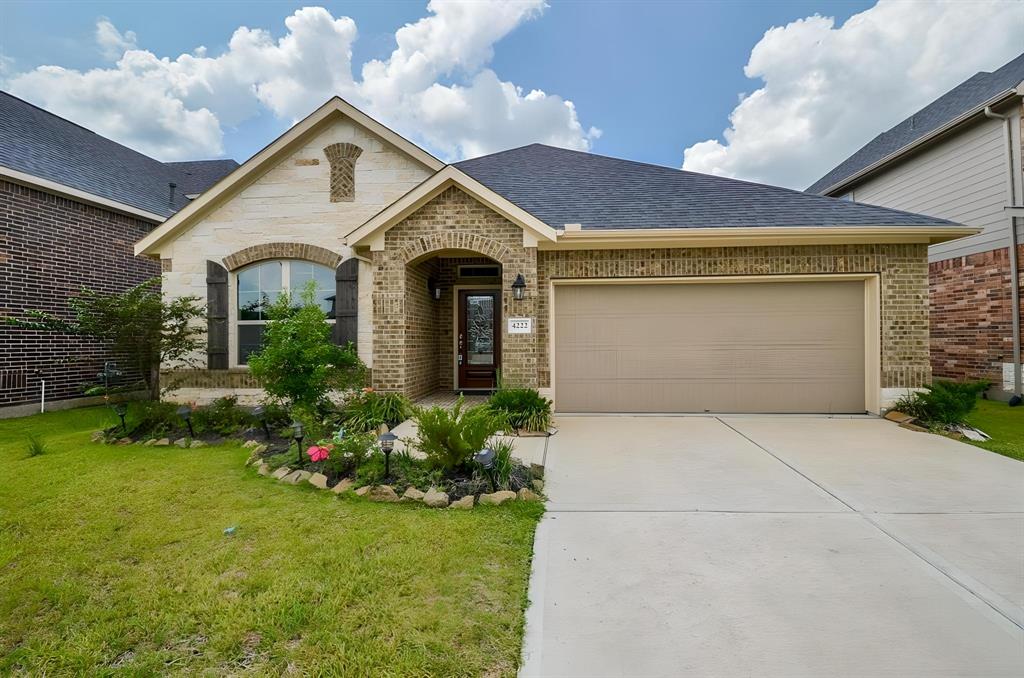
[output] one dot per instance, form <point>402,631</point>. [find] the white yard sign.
<point>520,325</point>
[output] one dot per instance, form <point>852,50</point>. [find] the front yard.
<point>114,558</point>
<point>1005,424</point>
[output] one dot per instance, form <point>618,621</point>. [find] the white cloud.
<point>434,87</point>
<point>829,90</point>
<point>112,42</point>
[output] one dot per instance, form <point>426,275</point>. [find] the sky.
<point>777,92</point>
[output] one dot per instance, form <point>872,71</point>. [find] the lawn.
<point>1005,424</point>
<point>114,560</point>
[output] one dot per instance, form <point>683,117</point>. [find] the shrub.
<point>405,471</point>
<point>369,409</point>
<point>152,418</point>
<point>348,452</point>
<point>316,424</point>
<point>299,363</point>
<point>222,416</point>
<point>449,439</point>
<point>942,403</point>
<point>36,446</point>
<point>522,408</point>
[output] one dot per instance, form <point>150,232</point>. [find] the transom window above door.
<point>259,285</point>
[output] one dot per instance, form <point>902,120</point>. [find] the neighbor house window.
<point>260,284</point>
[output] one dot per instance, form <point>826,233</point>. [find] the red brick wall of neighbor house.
<point>51,247</point>
<point>971,331</point>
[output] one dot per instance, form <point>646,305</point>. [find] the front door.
<point>479,339</point>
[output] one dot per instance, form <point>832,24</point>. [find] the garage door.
<point>710,347</point>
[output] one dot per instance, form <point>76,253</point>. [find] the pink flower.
<point>317,453</point>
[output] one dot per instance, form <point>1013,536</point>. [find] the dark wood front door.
<point>479,339</point>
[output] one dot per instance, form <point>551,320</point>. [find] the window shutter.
<point>346,301</point>
<point>216,316</point>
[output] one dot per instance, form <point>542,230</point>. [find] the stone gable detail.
<point>342,157</point>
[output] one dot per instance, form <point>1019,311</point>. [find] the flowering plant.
<point>319,452</point>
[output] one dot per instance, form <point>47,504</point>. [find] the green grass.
<point>113,561</point>
<point>1004,423</point>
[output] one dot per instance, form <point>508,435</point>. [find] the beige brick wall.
<point>904,287</point>
<point>453,223</point>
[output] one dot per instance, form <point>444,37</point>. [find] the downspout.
<point>1014,270</point>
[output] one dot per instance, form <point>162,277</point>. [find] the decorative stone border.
<point>282,250</point>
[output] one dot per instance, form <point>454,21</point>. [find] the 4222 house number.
<point>520,325</point>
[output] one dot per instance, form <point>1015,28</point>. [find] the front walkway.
<point>775,547</point>
<point>448,399</point>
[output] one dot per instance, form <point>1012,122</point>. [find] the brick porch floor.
<point>448,398</point>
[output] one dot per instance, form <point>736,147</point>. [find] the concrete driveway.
<point>775,546</point>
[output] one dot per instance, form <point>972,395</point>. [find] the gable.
<point>290,180</point>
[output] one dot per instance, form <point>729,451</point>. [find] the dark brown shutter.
<point>216,316</point>
<point>346,301</point>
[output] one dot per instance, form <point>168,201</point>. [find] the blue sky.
<point>655,78</point>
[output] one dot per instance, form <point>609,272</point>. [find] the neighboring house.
<point>959,158</point>
<point>72,205</point>
<point>643,288</point>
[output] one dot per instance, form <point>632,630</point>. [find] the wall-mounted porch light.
<point>519,287</point>
<point>434,289</point>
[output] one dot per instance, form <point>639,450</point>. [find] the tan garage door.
<point>710,347</point>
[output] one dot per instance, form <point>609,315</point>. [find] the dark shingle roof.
<point>561,187</point>
<point>201,174</point>
<point>969,94</point>
<point>37,142</point>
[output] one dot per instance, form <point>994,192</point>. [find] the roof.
<point>201,174</point>
<point>38,143</point>
<point>968,95</point>
<point>560,187</point>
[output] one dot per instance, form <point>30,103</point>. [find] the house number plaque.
<point>520,325</point>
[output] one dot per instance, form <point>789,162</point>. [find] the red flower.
<point>317,453</point>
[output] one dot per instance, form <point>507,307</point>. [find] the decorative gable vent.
<point>343,170</point>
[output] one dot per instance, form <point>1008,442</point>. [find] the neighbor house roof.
<point>972,94</point>
<point>562,187</point>
<point>39,144</point>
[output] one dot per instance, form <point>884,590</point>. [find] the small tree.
<point>298,362</point>
<point>137,324</point>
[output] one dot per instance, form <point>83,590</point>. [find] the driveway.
<point>775,546</point>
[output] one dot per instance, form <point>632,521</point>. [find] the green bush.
<point>222,416</point>
<point>450,438</point>
<point>522,408</point>
<point>942,403</point>
<point>152,418</point>
<point>35,446</point>
<point>369,409</point>
<point>348,452</point>
<point>299,362</point>
<point>406,471</point>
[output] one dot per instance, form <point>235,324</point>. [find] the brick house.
<point>959,158</point>
<point>610,285</point>
<point>72,206</point>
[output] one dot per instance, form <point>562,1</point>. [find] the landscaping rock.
<point>281,472</point>
<point>913,427</point>
<point>318,480</point>
<point>382,493</point>
<point>526,494</point>
<point>464,503</point>
<point>898,417</point>
<point>296,477</point>
<point>538,485</point>
<point>435,499</point>
<point>263,470</point>
<point>412,494</point>
<point>537,471</point>
<point>345,485</point>
<point>363,491</point>
<point>125,441</point>
<point>497,498</point>
<point>150,442</point>
<point>258,450</point>
<point>163,442</point>
<point>250,443</point>
<point>181,442</point>
<point>97,436</point>
<point>198,443</point>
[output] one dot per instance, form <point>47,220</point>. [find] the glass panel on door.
<point>480,329</point>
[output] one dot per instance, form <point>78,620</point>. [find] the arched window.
<point>260,284</point>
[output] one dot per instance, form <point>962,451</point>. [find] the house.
<point>72,205</point>
<point>610,285</point>
<point>959,158</point>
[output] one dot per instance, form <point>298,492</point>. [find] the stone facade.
<point>287,212</point>
<point>452,224</point>
<point>904,287</point>
<point>342,157</point>
<point>50,248</point>
<point>971,316</point>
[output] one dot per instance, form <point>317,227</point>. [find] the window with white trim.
<point>260,284</point>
